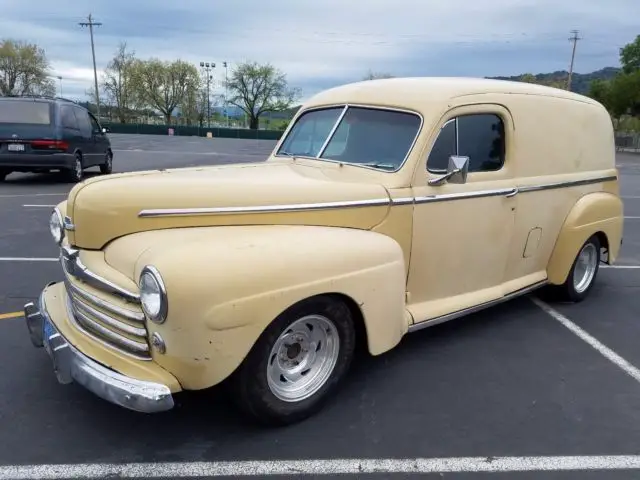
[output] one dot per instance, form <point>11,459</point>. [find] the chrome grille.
<point>119,327</point>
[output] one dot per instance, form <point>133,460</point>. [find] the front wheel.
<point>298,362</point>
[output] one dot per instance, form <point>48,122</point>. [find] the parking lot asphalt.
<point>513,381</point>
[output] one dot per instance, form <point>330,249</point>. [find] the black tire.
<point>250,383</point>
<point>75,174</point>
<point>568,291</point>
<point>107,167</point>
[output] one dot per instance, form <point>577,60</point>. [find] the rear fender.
<point>226,284</point>
<point>598,212</point>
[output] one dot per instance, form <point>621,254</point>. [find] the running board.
<point>476,308</point>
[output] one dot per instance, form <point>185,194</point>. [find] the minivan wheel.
<point>107,166</point>
<point>583,273</point>
<point>297,363</point>
<point>76,173</point>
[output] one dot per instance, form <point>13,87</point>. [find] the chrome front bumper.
<point>70,365</point>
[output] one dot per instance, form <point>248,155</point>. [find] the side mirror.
<point>105,130</point>
<point>456,171</point>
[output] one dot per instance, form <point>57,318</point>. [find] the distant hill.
<point>579,82</point>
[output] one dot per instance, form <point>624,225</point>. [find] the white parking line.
<point>631,218</point>
<point>27,259</point>
<point>630,267</point>
<point>605,351</point>
<point>321,467</point>
<point>38,206</point>
<point>35,195</point>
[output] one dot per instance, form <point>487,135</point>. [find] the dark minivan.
<point>41,134</point>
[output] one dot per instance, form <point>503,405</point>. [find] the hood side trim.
<point>165,212</point>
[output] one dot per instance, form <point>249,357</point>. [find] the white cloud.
<point>327,42</point>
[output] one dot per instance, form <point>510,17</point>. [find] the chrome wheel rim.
<point>303,358</point>
<point>585,268</point>
<point>78,168</point>
<point>108,161</point>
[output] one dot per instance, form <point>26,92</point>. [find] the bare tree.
<point>23,69</point>
<point>118,83</point>
<point>257,89</point>
<point>375,75</point>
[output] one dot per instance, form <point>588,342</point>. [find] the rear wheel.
<point>107,166</point>
<point>76,173</point>
<point>297,363</point>
<point>583,272</point>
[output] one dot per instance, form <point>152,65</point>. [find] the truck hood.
<point>107,207</point>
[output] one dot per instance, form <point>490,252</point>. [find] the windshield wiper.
<point>381,166</point>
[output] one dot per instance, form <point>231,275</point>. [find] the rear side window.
<point>67,118</point>
<point>29,112</point>
<point>83,121</point>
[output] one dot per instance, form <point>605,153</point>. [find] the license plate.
<point>16,147</point>
<point>47,331</point>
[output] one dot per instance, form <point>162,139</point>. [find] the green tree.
<point>163,85</point>
<point>600,90</point>
<point>118,83</point>
<point>257,89</point>
<point>630,56</point>
<point>24,69</point>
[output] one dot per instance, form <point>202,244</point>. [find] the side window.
<point>83,121</point>
<point>443,148</point>
<point>481,138</point>
<point>95,126</point>
<point>67,118</point>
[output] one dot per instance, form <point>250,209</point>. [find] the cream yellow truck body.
<point>440,196</point>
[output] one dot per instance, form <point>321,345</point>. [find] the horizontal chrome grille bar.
<point>111,322</point>
<point>74,266</point>
<point>89,298</point>
<point>105,336</point>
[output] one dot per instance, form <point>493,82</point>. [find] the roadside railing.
<point>627,142</point>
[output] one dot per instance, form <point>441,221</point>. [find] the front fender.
<point>592,213</point>
<point>226,284</point>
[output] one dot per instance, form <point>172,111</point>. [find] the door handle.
<point>512,193</point>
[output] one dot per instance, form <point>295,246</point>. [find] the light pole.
<point>60,78</point>
<point>207,68</point>
<point>226,81</point>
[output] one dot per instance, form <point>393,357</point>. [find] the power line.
<point>91,24</point>
<point>573,39</point>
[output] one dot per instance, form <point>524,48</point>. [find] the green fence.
<point>185,131</point>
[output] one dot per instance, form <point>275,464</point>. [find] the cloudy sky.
<point>321,43</point>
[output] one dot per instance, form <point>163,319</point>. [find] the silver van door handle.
<point>512,193</point>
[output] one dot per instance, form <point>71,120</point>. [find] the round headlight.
<point>56,226</point>
<point>153,295</point>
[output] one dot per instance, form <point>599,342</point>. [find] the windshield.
<point>373,137</point>
<point>12,111</point>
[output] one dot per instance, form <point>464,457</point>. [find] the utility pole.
<point>91,24</point>
<point>573,39</point>
<point>226,81</point>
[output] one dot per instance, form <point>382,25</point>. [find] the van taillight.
<point>49,145</point>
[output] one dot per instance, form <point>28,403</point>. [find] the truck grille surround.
<point>103,310</point>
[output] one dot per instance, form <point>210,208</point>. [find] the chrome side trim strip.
<point>510,191</point>
<point>572,183</point>
<point>163,212</point>
<point>74,267</point>
<point>476,308</point>
<point>459,196</point>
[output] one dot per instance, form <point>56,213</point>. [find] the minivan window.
<point>12,111</point>
<point>67,118</point>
